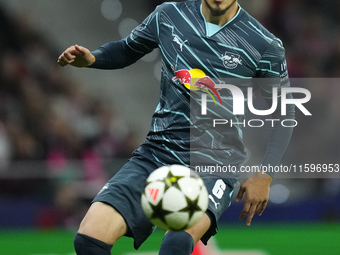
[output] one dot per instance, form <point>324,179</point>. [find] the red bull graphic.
<point>196,79</point>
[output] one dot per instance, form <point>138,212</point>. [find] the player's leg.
<point>199,229</point>
<point>183,242</point>
<point>103,222</point>
<point>116,211</point>
<point>101,227</point>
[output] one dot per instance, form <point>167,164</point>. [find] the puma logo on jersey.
<point>106,186</point>
<point>176,40</point>
<point>213,200</point>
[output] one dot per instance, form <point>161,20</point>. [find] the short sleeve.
<point>144,38</point>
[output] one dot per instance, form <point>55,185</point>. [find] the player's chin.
<point>225,4</point>
<point>218,7</point>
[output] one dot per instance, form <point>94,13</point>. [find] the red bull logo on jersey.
<point>196,79</point>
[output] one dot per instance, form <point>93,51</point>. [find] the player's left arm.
<point>272,71</point>
<point>276,76</point>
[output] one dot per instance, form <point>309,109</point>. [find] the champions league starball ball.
<point>174,198</point>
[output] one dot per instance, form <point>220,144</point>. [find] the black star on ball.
<point>159,212</point>
<point>192,206</point>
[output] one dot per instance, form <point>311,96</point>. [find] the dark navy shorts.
<point>124,189</point>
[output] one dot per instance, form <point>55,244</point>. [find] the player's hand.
<point>256,190</point>
<point>76,56</point>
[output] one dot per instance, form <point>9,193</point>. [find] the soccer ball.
<point>174,198</point>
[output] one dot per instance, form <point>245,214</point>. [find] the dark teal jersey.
<point>196,56</point>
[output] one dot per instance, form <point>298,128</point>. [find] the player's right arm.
<point>77,56</point>
<point>112,55</point>
<point>116,54</point>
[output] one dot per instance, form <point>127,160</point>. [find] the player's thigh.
<point>103,222</point>
<point>116,210</point>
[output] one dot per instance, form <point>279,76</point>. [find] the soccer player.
<point>219,40</point>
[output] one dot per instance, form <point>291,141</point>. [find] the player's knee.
<point>86,245</point>
<point>180,243</point>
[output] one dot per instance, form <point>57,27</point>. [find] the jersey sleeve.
<point>273,65</point>
<point>119,54</point>
<point>144,38</point>
<point>272,71</point>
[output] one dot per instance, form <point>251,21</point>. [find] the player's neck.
<point>219,20</point>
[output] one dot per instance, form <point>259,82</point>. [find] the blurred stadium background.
<point>64,131</point>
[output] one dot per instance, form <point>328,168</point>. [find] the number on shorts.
<point>219,188</point>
